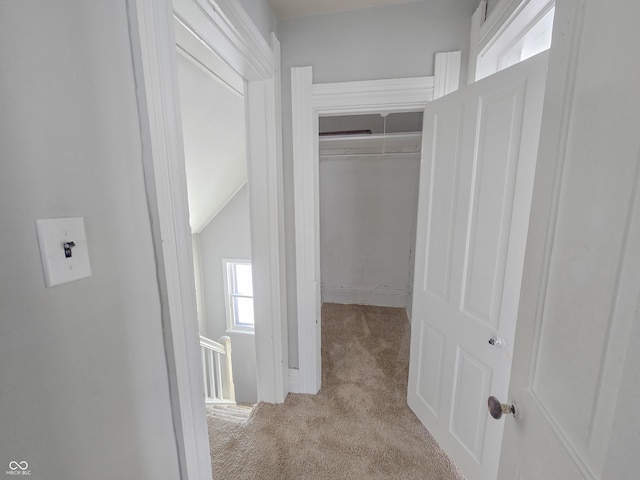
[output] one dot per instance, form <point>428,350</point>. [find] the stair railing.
<point>217,372</point>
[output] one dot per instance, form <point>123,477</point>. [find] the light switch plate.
<point>52,234</point>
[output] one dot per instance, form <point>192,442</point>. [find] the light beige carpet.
<point>357,427</point>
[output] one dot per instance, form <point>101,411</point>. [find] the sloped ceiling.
<point>214,141</point>
<point>284,9</point>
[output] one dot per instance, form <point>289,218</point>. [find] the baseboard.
<point>294,380</point>
<point>380,298</point>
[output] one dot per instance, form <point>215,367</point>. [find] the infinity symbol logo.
<point>23,465</point>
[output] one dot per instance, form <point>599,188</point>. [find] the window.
<point>504,39</point>
<point>537,39</point>
<point>239,295</point>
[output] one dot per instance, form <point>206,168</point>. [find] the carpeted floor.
<point>357,427</point>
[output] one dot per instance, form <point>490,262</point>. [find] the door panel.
<point>475,192</point>
<point>430,368</point>
<point>581,288</point>
<point>493,179</point>
<point>468,414</point>
<point>445,166</point>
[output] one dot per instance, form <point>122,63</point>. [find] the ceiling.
<point>284,9</point>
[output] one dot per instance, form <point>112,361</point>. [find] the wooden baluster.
<point>205,378</point>
<point>226,341</point>
<point>212,378</point>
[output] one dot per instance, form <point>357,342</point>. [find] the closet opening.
<point>369,172</point>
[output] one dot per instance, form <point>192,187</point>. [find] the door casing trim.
<point>309,102</point>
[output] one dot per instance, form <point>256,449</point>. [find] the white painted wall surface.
<point>227,236</point>
<point>261,14</point>
<point>389,42</point>
<point>367,228</point>
<point>83,375</point>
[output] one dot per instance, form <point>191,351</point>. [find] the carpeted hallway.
<point>359,425</point>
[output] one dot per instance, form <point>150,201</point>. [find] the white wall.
<point>227,236</point>
<point>262,16</point>
<point>367,228</point>
<point>398,41</point>
<point>83,375</point>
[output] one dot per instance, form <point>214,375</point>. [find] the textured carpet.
<point>357,427</point>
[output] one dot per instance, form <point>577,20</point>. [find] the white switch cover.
<point>53,233</point>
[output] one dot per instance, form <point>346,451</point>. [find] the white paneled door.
<point>478,161</point>
<point>576,374</point>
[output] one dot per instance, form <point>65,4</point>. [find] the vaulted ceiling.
<point>214,141</point>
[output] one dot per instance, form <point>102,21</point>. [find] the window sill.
<point>241,332</point>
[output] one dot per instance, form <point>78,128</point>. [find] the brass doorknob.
<point>497,409</point>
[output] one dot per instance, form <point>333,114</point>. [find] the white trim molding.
<point>226,28</point>
<point>375,96</point>
<point>265,240</point>
<point>309,102</point>
<point>279,199</point>
<point>477,19</point>
<point>153,49</point>
<point>294,380</point>
<point>447,73</point>
<point>306,199</point>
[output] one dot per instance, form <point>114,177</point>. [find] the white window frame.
<point>232,325</point>
<point>494,35</point>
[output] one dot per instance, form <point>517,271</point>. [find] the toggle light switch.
<point>63,249</point>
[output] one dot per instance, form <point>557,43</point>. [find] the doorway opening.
<point>256,60</point>
<point>311,102</point>
<point>213,111</point>
<point>368,184</point>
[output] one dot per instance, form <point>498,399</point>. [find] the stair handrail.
<point>224,387</point>
<point>212,345</point>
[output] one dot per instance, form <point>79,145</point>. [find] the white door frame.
<point>309,102</point>
<point>225,27</point>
